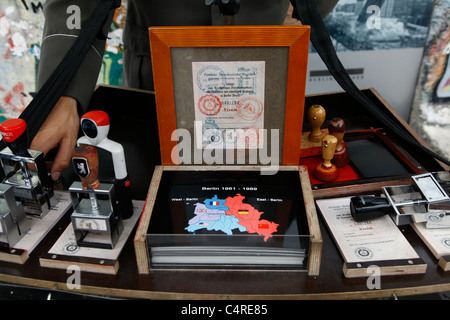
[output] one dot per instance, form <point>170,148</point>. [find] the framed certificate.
<point>229,95</point>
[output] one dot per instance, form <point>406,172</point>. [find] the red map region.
<point>249,217</point>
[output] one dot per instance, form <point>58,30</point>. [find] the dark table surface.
<point>330,284</point>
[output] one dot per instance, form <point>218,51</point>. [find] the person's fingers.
<point>63,157</point>
<point>44,143</point>
<point>60,130</point>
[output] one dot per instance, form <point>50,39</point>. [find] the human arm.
<point>64,21</point>
<point>63,24</point>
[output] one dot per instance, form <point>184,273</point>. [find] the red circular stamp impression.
<point>249,108</point>
<point>209,105</point>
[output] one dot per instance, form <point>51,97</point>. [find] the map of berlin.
<point>229,214</point>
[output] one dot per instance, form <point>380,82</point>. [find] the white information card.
<point>375,240</point>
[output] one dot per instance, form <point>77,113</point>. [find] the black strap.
<point>40,107</point>
<point>308,13</point>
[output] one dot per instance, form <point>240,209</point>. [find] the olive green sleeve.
<point>63,22</point>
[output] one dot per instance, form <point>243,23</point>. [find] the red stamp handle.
<point>15,134</point>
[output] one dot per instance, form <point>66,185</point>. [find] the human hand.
<point>60,130</point>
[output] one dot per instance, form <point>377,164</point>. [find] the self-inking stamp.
<point>25,170</point>
<point>316,117</point>
<point>95,126</point>
<point>96,221</point>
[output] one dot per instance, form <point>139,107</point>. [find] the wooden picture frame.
<point>294,40</point>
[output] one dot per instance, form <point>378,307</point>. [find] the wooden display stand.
<point>387,268</point>
<point>65,252</point>
<point>376,243</point>
<point>40,227</point>
<point>444,263</point>
<point>437,242</point>
<point>315,242</point>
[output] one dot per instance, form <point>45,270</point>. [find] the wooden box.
<point>230,106</point>
<point>381,158</point>
<point>250,194</point>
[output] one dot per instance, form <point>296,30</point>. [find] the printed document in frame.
<point>229,100</point>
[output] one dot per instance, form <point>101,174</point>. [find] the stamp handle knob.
<point>336,127</point>
<point>85,162</point>
<point>327,171</point>
<point>15,135</point>
<point>329,143</point>
<point>316,117</point>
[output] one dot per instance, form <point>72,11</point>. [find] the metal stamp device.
<point>95,126</point>
<point>426,200</point>
<point>24,169</point>
<point>96,219</point>
<point>13,221</point>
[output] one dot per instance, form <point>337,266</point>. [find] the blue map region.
<point>216,214</point>
<point>225,224</point>
<point>216,204</point>
<point>211,215</point>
